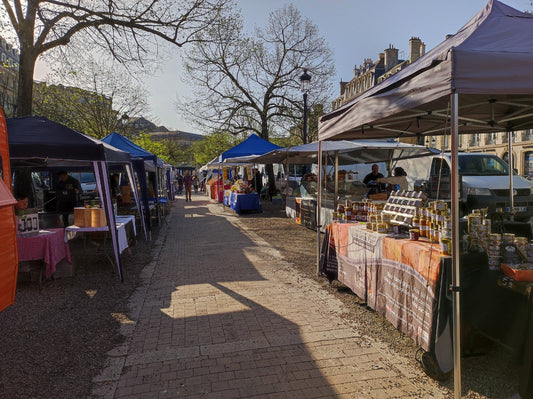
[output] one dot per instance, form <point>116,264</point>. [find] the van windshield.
<point>482,165</point>
<point>87,177</point>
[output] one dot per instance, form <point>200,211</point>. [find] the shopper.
<point>187,182</point>
<point>257,180</point>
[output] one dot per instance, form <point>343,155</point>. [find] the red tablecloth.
<point>49,245</point>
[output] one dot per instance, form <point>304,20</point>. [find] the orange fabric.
<point>423,256</point>
<point>8,232</point>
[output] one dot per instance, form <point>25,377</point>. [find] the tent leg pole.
<point>455,247</point>
<point>511,162</point>
<point>318,207</point>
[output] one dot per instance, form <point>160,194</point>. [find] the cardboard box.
<point>82,217</point>
<point>98,217</point>
<point>27,223</point>
<point>126,194</point>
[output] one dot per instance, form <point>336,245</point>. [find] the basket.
<point>517,274</point>
<point>378,196</point>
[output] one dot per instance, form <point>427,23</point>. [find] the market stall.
<point>241,199</point>
<point>338,185</point>
<point>479,80</point>
<point>239,155</point>
<point>36,142</point>
<point>143,163</point>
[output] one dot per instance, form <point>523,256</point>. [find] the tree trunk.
<point>269,168</point>
<point>25,83</point>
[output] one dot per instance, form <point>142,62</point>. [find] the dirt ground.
<point>54,340</point>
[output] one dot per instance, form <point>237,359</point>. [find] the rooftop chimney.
<point>391,57</point>
<point>415,45</point>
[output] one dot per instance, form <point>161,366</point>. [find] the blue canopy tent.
<point>142,162</point>
<point>35,141</point>
<point>249,148</point>
<point>253,145</point>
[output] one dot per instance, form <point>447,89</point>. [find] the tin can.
<point>382,228</point>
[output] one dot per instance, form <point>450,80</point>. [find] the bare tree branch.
<point>129,29</point>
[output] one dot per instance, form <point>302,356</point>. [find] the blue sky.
<point>354,29</point>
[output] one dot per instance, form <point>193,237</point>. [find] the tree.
<point>213,145</point>
<point>129,30</point>
<point>251,84</point>
<point>92,99</point>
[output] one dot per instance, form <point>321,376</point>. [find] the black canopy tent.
<point>35,141</point>
<point>479,80</point>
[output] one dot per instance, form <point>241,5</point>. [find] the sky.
<point>354,29</point>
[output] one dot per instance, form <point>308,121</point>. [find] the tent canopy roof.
<point>253,145</point>
<point>488,62</point>
<point>124,144</point>
<point>36,137</point>
<point>349,152</point>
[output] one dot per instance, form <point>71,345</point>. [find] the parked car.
<point>484,183</point>
<point>88,185</point>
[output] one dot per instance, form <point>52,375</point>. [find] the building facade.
<point>371,73</point>
<point>9,66</point>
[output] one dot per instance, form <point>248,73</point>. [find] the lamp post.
<point>305,79</point>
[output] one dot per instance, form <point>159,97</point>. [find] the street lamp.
<point>305,79</point>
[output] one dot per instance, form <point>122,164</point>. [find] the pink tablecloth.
<point>48,245</point>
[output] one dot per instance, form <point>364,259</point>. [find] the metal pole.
<point>455,247</point>
<point>335,200</point>
<point>511,172</point>
<point>287,176</point>
<point>304,138</point>
<point>318,206</point>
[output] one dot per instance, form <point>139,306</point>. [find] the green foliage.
<point>213,145</point>
<point>159,148</point>
<point>79,109</point>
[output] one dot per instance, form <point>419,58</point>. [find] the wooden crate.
<point>82,217</point>
<point>98,217</point>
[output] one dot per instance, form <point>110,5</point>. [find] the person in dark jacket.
<point>68,191</point>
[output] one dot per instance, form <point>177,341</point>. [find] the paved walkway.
<point>221,315</point>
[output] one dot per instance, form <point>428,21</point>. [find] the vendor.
<point>399,179</point>
<point>370,180</point>
<point>68,190</point>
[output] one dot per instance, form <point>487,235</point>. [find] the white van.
<point>484,183</point>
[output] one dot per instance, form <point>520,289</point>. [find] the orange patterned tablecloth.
<point>399,278</point>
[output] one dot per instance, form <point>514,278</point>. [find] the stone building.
<point>9,65</point>
<point>371,72</point>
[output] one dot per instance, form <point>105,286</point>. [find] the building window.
<point>528,135</point>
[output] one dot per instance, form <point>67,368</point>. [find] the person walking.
<point>187,182</point>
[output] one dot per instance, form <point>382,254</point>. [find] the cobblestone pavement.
<point>221,315</point>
